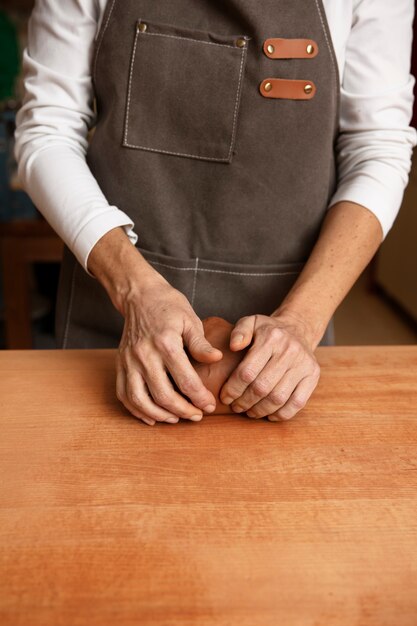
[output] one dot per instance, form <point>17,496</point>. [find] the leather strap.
<point>290,48</point>
<point>287,89</point>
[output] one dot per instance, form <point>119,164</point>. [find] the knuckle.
<point>260,387</point>
<point>161,397</point>
<point>316,370</point>
<point>139,351</point>
<point>197,324</point>
<point>187,385</point>
<point>165,342</point>
<point>294,348</point>
<point>298,402</point>
<point>247,374</point>
<point>275,334</point>
<point>171,349</point>
<point>133,398</point>
<point>278,397</point>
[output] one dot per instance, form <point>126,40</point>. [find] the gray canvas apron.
<point>217,145</point>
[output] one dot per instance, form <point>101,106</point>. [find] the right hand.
<point>159,322</point>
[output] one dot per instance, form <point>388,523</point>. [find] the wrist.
<point>307,326</point>
<point>131,286</point>
<point>121,269</point>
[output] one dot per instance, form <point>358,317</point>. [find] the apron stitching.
<point>194,281</point>
<point>172,267</point>
<point>202,269</point>
<point>130,85</point>
<point>195,156</point>
<point>210,43</point>
<point>251,273</point>
<point>67,322</point>
<point>101,38</point>
<point>237,100</point>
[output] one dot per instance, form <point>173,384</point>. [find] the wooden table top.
<point>228,522</point>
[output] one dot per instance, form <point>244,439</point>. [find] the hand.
<point>279,372</point>
<point>159,321</point>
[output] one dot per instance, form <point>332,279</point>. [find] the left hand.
<point>278,373</point>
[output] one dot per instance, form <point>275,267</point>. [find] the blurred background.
<point>380,309</point>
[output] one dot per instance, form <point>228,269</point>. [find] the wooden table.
<point>228,522</point>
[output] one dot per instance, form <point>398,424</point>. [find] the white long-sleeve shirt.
<point>372,41</point>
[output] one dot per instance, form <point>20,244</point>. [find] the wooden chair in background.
<point>23,243</point>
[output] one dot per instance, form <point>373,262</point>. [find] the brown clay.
<point>217,331</point>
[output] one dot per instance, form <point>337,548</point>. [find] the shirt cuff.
<point>96,228</point>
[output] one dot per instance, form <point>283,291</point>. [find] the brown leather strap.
<point>288,89</point>
<point>290,48</point>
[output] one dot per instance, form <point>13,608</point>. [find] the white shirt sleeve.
<point>53,122</point>
<point>375,143</point>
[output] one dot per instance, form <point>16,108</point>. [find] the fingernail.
<point>172,420</point>
<point>150,422</point>
<point>237,408</point>
<point>274,419</point>
<point>227,400</point>
<point>195,418</point>
<point>209,408</point>
<point>237,338</point>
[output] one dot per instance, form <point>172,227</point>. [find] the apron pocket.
<point>184,91</point>
<point>234,290</point>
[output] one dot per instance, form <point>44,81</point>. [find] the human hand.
<point>279,372</point>
<point>159,323</point>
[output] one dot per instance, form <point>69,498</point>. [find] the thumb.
<point>199,348</point>
<point>242,334</point>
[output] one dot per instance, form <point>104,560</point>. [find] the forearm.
<point>348,240</point>
<point>120,268</point>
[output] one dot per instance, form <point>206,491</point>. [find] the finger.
<point>136,394</point>
<point>139,398</point>
<point>279,394</point>
<point>186,377</point>
<point>198,346</point>
<point>246,372</point>
<point>297,400</point>
<point>242,334</point>
<point>121,395</point>
<point>263,385</point>
<point>163,392</point>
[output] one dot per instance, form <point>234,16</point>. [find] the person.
<point>214,158</point>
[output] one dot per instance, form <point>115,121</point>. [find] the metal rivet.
<point>308,88</point>
<point>310,49</point>
<point>270,48</point>
<point>241,43</point>
<point>267,86</point>
<point>142,27</point>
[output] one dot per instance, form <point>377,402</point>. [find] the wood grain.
<point>227,522</point>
